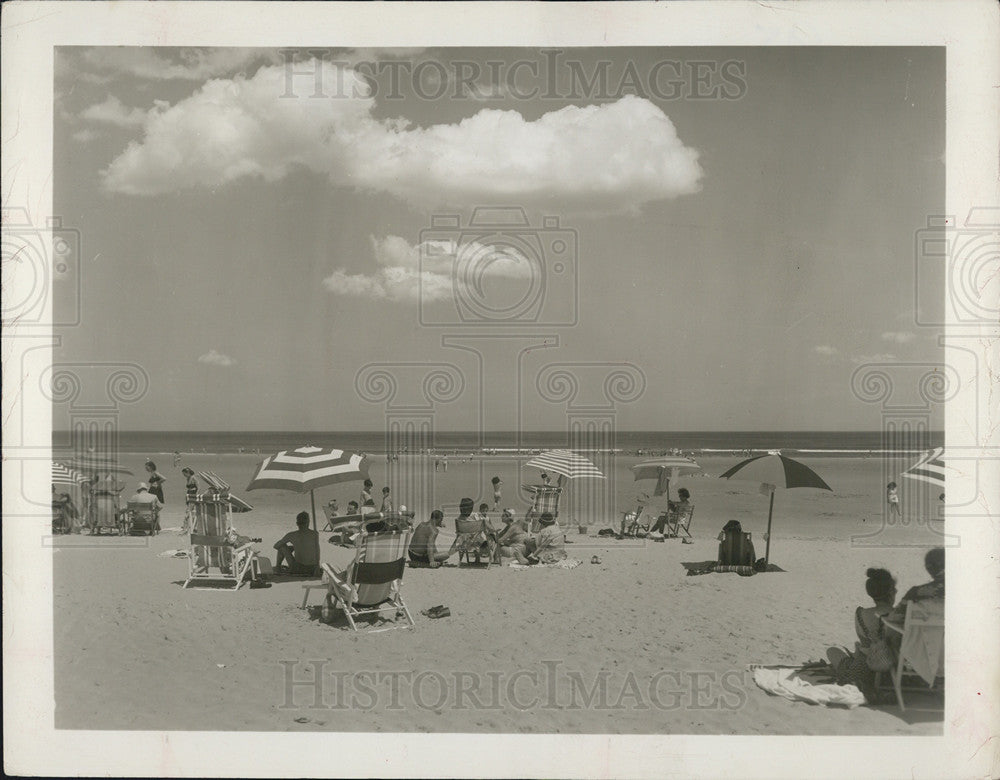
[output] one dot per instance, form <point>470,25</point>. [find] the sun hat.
<point>187,470</point>
<point>143,486</point>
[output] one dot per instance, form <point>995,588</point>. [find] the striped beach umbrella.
<point>663,470</point>
<point>775,471</point>
<point>306,468</point>
<point>566,463</point>
<point>64,475</point>
<point>930,468</point>
<point>95,464</point>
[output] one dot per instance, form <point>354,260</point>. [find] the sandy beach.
<point>630,645</point>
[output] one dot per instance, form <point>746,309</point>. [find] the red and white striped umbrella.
<point>304,469</point>
<point>565,462</point>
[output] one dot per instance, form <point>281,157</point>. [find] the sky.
<point>731,230</point>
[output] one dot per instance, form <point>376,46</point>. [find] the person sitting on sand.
<point>929,591</point>
<point>870,649</point>
<point>300,548</point>
<point>512,538</point>
<point>547,546</point>
<point>423,547</point>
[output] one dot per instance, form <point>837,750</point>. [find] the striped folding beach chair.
<point>545,498</point>
<point>370,585</point>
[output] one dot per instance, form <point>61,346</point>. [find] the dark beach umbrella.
<point>304,469</point>
<point>775,471</point>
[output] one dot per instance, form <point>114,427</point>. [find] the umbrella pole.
<point>312,500</point>
<point>767,549</point>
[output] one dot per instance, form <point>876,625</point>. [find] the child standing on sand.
<point>497,482</point>
<point>892,496</point>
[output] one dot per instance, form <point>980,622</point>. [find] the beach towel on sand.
<point>565,563</point>
<point>809,684</point>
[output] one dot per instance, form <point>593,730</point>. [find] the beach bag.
<point>879,655</point>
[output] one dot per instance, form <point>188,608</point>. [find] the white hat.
<point>142,486</point>
<point>402,507</point>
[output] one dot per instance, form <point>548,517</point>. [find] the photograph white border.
<point>969,747</point>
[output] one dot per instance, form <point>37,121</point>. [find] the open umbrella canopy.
<point>307,468</point>
<point>566,463</point>
<point>96,464</point>
<point>776,470</point>
<point>304,469</point>
<point>64,475</point>
<point>930,468</point>
<point>663,470</point>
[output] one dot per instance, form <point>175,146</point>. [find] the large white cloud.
<point>606,158</point>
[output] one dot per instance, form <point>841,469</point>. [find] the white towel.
<point>792,683</point>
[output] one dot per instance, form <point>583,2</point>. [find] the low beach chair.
<point>371,583</point>
<point>144,518</point>
<point>213,557</point>
<point>736,549</point>
<point>921,648</point>
<point>105,513</point>
<point>477,542</point>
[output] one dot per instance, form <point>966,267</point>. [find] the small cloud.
<point>215,358</point>
<point>85,136</point>
<point>898,337</point>
<point>403,275</point>
<point>825,349</point>
<point>113,112</point>
<point>881,357</point>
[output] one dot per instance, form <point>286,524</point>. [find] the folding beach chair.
<point>213,557</point>
<point>478,544</point>
<point>921,649</point>
<point>545,498</point>
<point>143,518</point>
<point>679,522</point>
<point>331,518</point>
<point>105,513</point>
<point>371,583</point>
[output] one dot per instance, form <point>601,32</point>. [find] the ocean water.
<point>829,443</point>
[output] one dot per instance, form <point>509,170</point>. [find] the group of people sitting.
<point>476,535</point>
<point>479,537</point>
<point>876,648</point>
